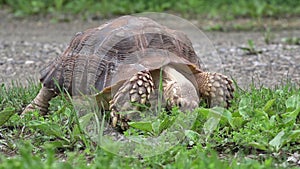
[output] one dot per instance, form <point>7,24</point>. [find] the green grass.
<point>225,9</point>
<point>260,130</point>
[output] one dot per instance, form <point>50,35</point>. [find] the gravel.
<point>22,60</point>
<point>275,65</point>
<point>28,45</point>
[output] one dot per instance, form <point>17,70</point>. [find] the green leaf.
<point>50,129</point>
<point>237,122</point>
<point>85,120</point>
<point>284,137</point>
<point>61,110</point>
<point>290,117</point>
<point>223,113</point>
<point>293,102</point>
<point>258,145</point>
<point>213,120</point>
<point>6,114</point>
<point>166,123</point>
<point>244,107</point>
<point>192,135</point>
<point>261,114</point>
<point>268,105</point>
<point>277,141</point>
<point>156,126</point>
<point>57,144</point>
<point>205,112</point>
<point>140,140</point>
<point>142,125</point>
<point>294,135</point>
<point>211,124</point>
<point>251,44</point>
<point>214,116</point>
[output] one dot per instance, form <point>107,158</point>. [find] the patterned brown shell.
<point>95,56</point>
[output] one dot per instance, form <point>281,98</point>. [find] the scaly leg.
<point>215,88</point>
<point>41,101</point>
<point>130,95</point>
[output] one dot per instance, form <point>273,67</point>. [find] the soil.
<point>26,45</point>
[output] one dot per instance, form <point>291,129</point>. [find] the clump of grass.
<point>251,49</point>
<point>268,35</point>
<point>16,95</point>
<point>291,40</point>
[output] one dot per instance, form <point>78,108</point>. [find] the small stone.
<point>27,62</point>
<point>10,59</point>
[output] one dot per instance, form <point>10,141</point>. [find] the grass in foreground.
<point>260,130</point>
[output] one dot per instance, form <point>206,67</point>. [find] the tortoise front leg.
<point>215,88</point>
<point>41,101</point>
<point>131,94</point>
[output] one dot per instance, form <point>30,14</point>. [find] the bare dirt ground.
<point>26,45</point>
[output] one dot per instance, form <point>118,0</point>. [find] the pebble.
<point>29,62</point>
<point>22,60</point>
<point>10,60</point>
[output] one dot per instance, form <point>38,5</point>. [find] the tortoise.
<point>126,60</point>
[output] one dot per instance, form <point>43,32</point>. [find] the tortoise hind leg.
<point>215,88</point>
<point>41,101</point>
<point>131,94</point>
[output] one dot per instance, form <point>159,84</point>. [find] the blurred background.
<point>221,9</point>
<point>216,10</point>
<point>259,39</point>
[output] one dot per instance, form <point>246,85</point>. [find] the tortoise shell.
<point>100,57</point>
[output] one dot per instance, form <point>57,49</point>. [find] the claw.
<point>114,120</point>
